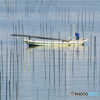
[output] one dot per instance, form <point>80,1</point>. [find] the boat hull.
<point>55,43</point>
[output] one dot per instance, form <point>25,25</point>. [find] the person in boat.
<point>30,38</point>
<point>69,38</point>
<point>77,36</point>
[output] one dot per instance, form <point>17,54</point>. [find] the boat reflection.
<point>79,51</point>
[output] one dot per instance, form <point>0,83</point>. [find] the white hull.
<point>55,43</point>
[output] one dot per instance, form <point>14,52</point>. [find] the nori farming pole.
<point>37,93</point>
<point>23,38</point>
<point>65,72</point>
<point>2,53</point>
<point>85,18</point>
<point>62,14</point>
<point>68,14</point>
<point>2,57</point>
<point>62,55</point>
<point>88,65</point>
<point>78,22</point>
<point>89,19</point>
<point>33,59</point>
<point>9,90</point>
<point>99,66</point>
<point>13,70</point>
<point>54,64</point>
<point>16,91</point>
<point>65,14</point>
<point>10,64</point>
<point>0,85</point>
<point>73,59</point>
<point>94,57</point>
<point>49,65</point>
<point>59,58</point>
<point>6,71</point>
<point>90,47</point>
<point>48,94</point>
<point>55,12</point>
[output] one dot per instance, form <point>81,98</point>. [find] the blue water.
<point>34,78</point>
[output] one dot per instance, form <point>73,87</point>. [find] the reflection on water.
<point>77,52</point>
<point>46,69</point>
<point>48,72</point>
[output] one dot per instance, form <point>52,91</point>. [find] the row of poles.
<point>61,13</point>
<point>12,73</point>
<point>16,54</point>
<point>13,57</point>
<point>11,7</point>
<point>14,68</point>
<point>43,6</point>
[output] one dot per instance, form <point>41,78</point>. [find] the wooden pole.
<point>65,72</point>
<point>54,64</point>
<point>99,66</point>
<point>94,57</point>
<point>49,65</point>
<point>68,14</point>
<point>37,93</point>
<point>6,71</point>
<point>33,59</point>
<point>0,85</point>
<point>73,59</point>
<point>59,65</point>
<point>16,91</point>
<point>62,14</point>
<point>62,55</point>
<point>2,57</point>
<point>10,64</point>
<point>48,94</point>
<point>88,65</point>
<point>85,18</point>
<point>17,71</point>
<point>65,14</point>
<point>78,22</point>
<point>89,19</point>
<point>9,90</point>
<point>55,12</point>
<point>59,57</point>
<point>90,47</point>
<point>13,70</point>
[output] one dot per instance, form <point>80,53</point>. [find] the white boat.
<point>50,41</point>
<point>55,42</point>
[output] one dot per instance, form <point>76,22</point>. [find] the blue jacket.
<point>77,34</point>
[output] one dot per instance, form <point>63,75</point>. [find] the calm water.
<point>38,73</point>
